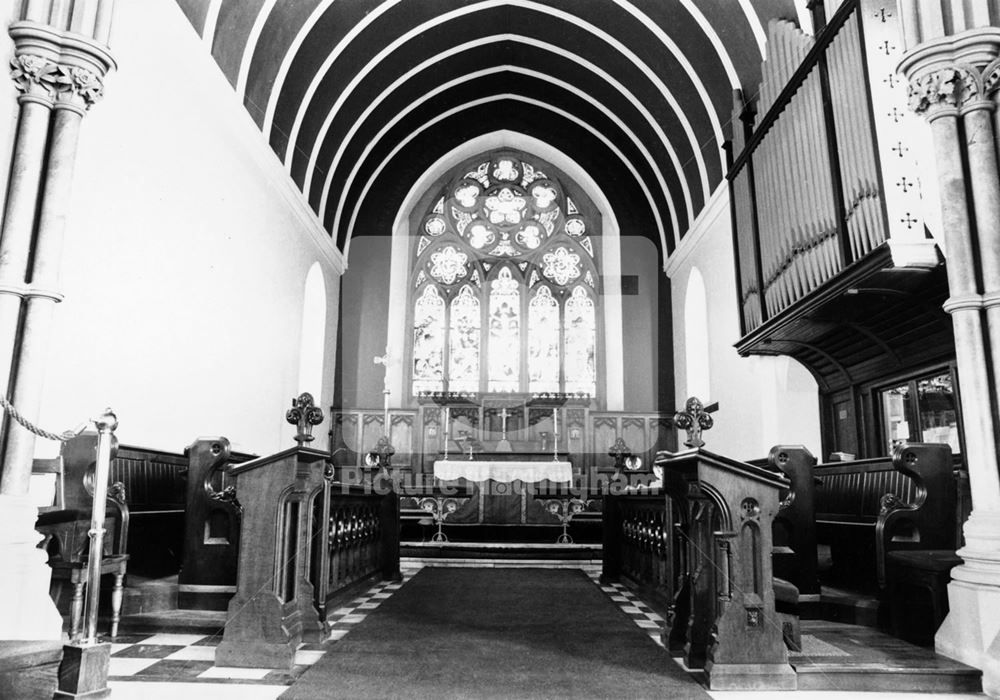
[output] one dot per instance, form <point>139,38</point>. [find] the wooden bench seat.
<point>794,526</point>
<point>867,508</point>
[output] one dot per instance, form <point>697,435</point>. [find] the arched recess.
<point>696,359</point>
<point>312,344</point>
<point>613,388</point>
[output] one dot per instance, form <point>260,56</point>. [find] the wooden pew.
<point>154,484</point>
<point>306,542</point>
<point>207,579</point>
<point>794,527</point>
<point>869,507</point>
<point>703,543</point>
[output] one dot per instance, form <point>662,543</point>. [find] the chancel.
<point>657,338</point>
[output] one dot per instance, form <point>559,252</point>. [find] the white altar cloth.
<point>472,470</point>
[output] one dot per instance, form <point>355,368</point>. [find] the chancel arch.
<point>407,229</point>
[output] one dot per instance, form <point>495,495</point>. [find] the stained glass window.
<point>543,341</point>
<point>463,363</point>
<point>505,333</point>
<point>428,341</point>
<point>505,283</point>
<point>580,357</point>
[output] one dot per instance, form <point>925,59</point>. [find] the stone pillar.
<point>77,88</point>
<point>59,74</point>
<point>946,86</point>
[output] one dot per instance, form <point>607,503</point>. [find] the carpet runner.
<point>496,633</point>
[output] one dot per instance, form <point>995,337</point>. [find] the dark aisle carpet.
<point>496,633</point>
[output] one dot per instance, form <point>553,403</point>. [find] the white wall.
<point>186,257</point>
<point>763,401</point>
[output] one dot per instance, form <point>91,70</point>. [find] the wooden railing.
<point>641,543</point>
<point>806,185</point>
<point>358,545</point>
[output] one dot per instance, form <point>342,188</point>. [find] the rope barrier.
<point>31,427</point>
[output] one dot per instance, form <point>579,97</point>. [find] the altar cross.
<point>694,419</point>
<point>503,423</point>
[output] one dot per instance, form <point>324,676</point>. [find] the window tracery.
<point>505,286</point>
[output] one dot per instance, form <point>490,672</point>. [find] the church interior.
<point>500,348</point>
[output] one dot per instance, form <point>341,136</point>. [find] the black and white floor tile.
<point>641,614</point>
<point>169,665</point>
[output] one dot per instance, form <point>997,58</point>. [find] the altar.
<point>503,471</point>
<point>504,488</point>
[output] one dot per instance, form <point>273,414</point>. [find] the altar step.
<point>843,657</point>
<point>501,553</point>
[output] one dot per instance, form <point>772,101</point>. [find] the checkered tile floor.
<point>190,658</point>
<point>640,613</point>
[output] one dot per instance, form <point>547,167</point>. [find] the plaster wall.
<point>364,328</point>
<point>763,401</point>
<point>186,257</point>
<point>640,316</point>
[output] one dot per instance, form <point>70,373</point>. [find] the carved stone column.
<point>33,71</point>
<point>947,87</point>
<point>78,82</point>
<point>58,74</point>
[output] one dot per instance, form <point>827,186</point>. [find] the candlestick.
<point>447,416</point>
<point>555,434</point>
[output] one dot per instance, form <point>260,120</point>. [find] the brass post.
<point>106,424</point>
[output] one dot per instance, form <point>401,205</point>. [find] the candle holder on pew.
<point>380,459</point>
<point>565,509</point>
<point>625,461</point>
<point>439,508</point>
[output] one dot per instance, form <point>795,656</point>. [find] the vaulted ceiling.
<point>358,98</point>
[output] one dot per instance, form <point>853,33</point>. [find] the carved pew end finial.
<point>304,414</point>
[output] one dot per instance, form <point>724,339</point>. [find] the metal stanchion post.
<point>106,424</point>
<point>83,672</point>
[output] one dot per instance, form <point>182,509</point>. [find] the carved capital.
<point>77,86</point>
<point>34,76</point>
<point>991,78</point>
<point>944,90</point>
